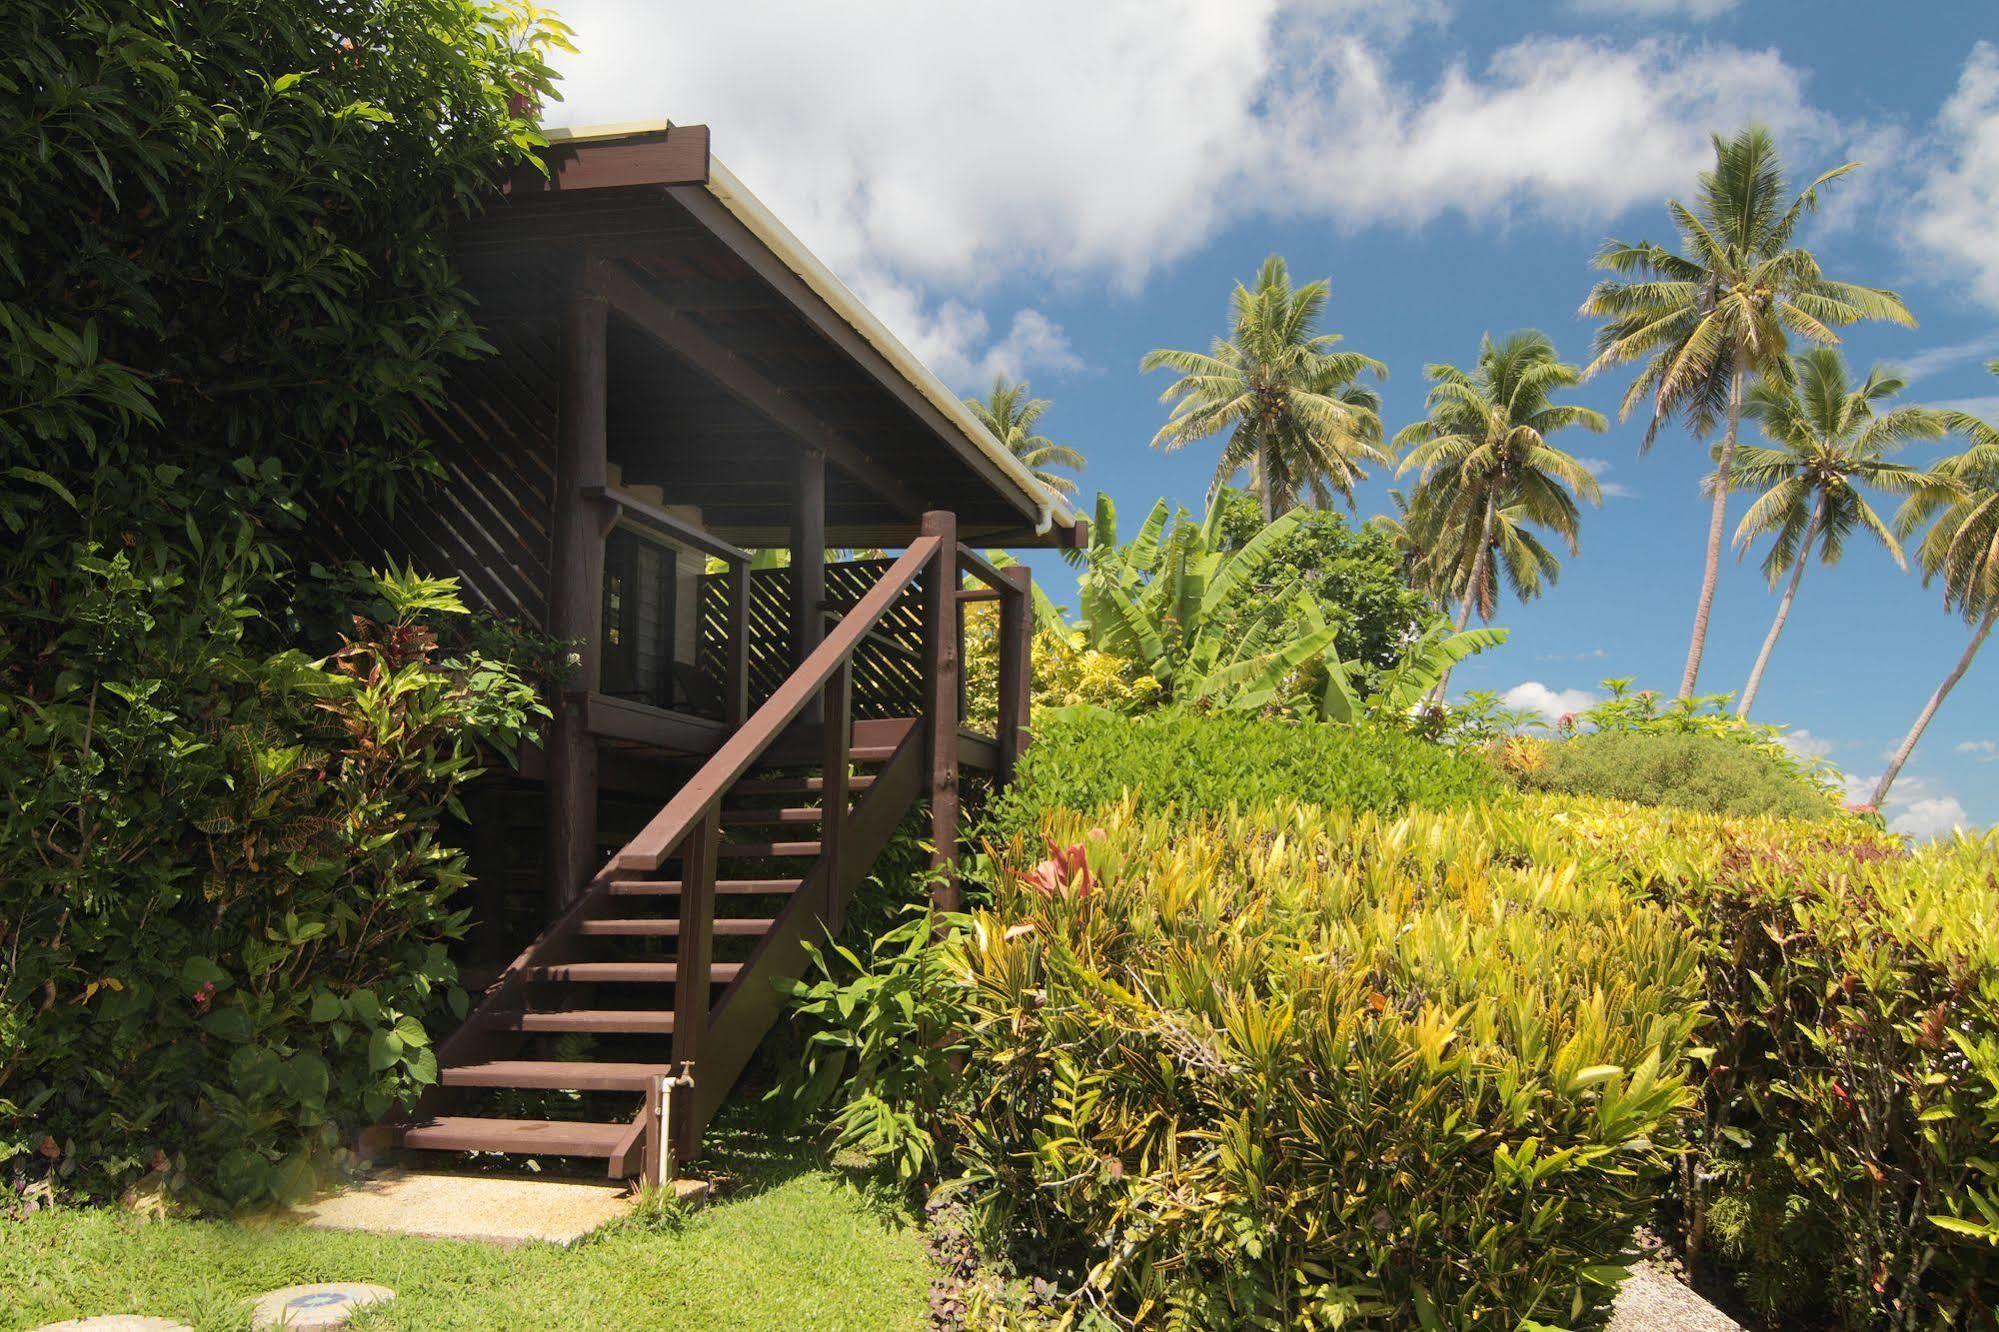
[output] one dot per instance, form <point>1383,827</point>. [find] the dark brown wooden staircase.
<point>636,1010</point>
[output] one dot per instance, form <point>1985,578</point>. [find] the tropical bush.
<point>1687,770</point>
<point>1850,1099</point>
<point>223,290</point>
<point>226,910</point>
<point>1313,1067</point>
<point>1197,762</point>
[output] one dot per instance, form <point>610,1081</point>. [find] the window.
<point>639,597</point>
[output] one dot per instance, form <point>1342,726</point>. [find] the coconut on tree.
<point>1011,413</point>
<point>1829,442</point>
<point>1290,407</point>
<point>1959,504</point>
<point>1707,321</point>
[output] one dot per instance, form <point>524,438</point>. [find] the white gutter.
<point>750,211</point>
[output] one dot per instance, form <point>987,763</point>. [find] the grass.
<point>793,1243</point>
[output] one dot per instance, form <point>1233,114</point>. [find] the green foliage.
<point>1084,759</point>
<point>1686,770</point>
<point>223,289</point>
<point>1212,624</point>
<point>1353,575</point>
<point>882,1045</point>
<point>1311,1067</point>
<point>1401,691</point>
<point>1851,1098</point>
<point>225,901</point>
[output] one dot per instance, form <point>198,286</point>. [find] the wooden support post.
<point>808,562</point>
<point>833,787</point>
<point>695,945</point>
<point>1016,666</point>
<point>736,688</point>
<point>576,594</point>
<point>940,719</point>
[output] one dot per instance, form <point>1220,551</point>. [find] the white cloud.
<point>938,152</point>
<point>1598,468</point>
<point>1985,751</point>
<point>1951,223</point>
<point>1917,807</point>
<point>1693,9</point>
<point>1933,816</point>
<point>1803,742</point>
<point>1572,130</point>
<point>1934,360</point>
<point>1550,703</point>
<point>1985,409</point>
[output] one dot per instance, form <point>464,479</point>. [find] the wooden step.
<point>651,928</point>
<point>769,850</point>
<point>809,814</point>
<point>544,1137</point>
<point>724,887</point>
<point>796,785</point>
<point>554,1075</point>
<point>647,1021</point>
<point>872,753</point>
<point>626,973</point>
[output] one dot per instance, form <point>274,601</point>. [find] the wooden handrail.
<point>660,837</point>
<point>659,520</point>
<point>979,567</point>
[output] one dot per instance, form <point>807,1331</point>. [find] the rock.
<point>329,1304</point>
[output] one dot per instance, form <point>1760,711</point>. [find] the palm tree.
<point>1412,532</point>
<point>1011,415</point>
<point>1292,407</point>
<point>1828,441</point>
<point>1489,474</point>
<point>1961,506</point>
<point>1704,322</point>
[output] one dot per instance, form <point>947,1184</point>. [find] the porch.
<point>757,520</point>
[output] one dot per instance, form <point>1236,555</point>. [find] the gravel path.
<point>1653,1300</point>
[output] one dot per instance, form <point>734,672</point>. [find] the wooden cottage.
<point>677,384</point>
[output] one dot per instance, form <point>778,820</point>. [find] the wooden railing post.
<point>694,955</point>
<point>576,590</point>
<point>1016,666</point>
<point>940,714</point>
<point>833,786</point>
<point>736,698</point>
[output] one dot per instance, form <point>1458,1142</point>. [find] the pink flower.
<point>1066,873</point>
<point>203,995</point>
<point>1566,722</point>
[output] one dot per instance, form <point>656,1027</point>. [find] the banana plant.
<point>1402,688</point>
<point>1170,601</point>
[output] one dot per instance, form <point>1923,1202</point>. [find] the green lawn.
<point>794,1245</point>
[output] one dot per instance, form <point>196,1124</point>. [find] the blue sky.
<point>1052,189</point>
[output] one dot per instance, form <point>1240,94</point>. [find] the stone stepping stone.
<point>327,1304</point>
<point>116,1323</point>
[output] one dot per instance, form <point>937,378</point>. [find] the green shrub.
<point>1194,762</point>
<point>1316,1068</point>
<point>1685,770</point>
<point>225,920</point>
<point>1846,1165</point>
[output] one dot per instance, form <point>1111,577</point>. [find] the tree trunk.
<point>1783,611</point>
<point>1929,711</point>
<point>1480,563</point>
<point>1697,645</point>
<point>1265,485</point>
